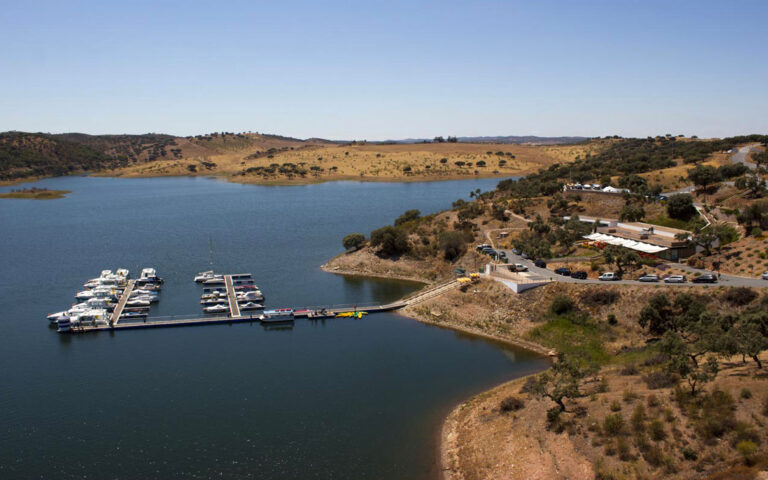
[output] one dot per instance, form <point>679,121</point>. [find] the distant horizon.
<point>403,139</point>
<point>334,70</point>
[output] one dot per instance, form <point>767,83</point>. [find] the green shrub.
<point>629,396</point>
<point>409,215</point>
<point>656,431</point>
<point>690,454</point>
<point>599,297</point>
<point>511,404</point>
<point>353,241</point>
<point>612,319</point>
<point>747,449</point>
<point>452,244</point>
<point>622,447</point>
<point>390,240</point>
<point>615,406</point>
<point>746,393</point>
<point>717,417</point>
<point>739,296</point>
<point>629,369</point>
<point>652,401</point>
<point>638,418</point>
<point>613,424</point>
<point>661,379</point>
<point>561,305</point>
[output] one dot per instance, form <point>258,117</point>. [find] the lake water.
<point>341,398</point>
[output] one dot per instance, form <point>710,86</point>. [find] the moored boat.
<point>280,315</point>
<point>216,309</point>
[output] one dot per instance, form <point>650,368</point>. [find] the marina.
<point>109,298</point>
<point>226,306</point>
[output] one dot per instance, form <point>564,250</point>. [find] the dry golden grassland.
<point>673,178</point>
<point>246,163</point>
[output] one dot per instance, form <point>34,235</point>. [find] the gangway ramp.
<point>234,308</point>
<point>121,303</point>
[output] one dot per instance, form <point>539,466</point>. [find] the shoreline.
<point>350,273</point>
<point>282,182</point>
<point>448,432</point>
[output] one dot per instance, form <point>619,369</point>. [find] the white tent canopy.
<point>623,242</point>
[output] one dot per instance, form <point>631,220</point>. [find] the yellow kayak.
<point>352,314</point>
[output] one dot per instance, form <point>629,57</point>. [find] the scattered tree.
<point>353,241</point>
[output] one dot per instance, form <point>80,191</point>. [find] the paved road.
<point>741,156</point>
<point>725,280</point>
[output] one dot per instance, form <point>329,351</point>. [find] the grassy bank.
<point>36,194</point>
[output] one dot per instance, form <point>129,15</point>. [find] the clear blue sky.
<point>351,70</point>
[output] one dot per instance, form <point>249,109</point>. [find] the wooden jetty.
<point>234,308</point>
<point>121,303</point>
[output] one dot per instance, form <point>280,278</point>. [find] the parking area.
<point>724,280</point>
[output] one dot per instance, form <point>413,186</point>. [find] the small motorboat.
<point>250,296</point>
<point>149,276</point>
<point>213,296</point>
<point>138,302</point>
<point>216,280</point>
<point>206,275</point>
<point>280,315</point>
<point>103,292</point>
<point>214,290</point>
<point>214,301</point>
<point>216,309</point>
<point>251,306</point>
<point>245,288</point>
<point>144,291</point>
<point>130,315</point>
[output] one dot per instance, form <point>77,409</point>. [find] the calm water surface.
<point>343,398</point>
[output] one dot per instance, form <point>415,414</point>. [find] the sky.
<point>386,69</point>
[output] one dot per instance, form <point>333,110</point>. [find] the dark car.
<point>579,274</point>
<point>706,278</point>
<point>563,271</point>
<point>540,263</point>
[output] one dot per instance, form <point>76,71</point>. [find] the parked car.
<point>706,278</point>
<point>502,254</point>
<point>608,277</point>
<point>524,255</point>
<point>579,274</point>
<point>482,246</point>
<point>675,279</point>
<point>650,277</point>
<point>519,267</point>
<point>542,264</point>
<point>563,271</point>
<point>516,251</point>
<point>764,276</point>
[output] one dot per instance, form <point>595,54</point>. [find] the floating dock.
<point>211,320</point>
<point>237,317</point>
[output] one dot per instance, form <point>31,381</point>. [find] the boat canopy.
<point>624,242</point>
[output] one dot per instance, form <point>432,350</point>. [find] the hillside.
<point>24,155</point>
<point>651,381</point>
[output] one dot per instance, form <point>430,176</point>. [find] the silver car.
<point>648,278</point>
<point>675,279</point>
